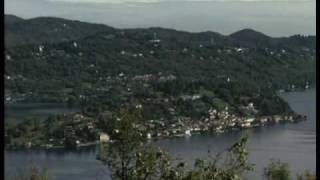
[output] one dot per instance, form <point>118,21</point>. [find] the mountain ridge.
<point>47,30</point>
<point>16,25</point>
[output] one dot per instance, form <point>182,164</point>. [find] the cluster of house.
<point>72,124</point>
<point>187,128</point>
<point>12,98</point>
<point>190,97</point>
<point>216,122</point>
<point>153,77</point>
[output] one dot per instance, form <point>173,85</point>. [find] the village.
<point>80,131</point>
<point>217,122</point>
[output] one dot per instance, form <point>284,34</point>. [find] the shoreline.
<point>272,121</point>
<point>259,121</point>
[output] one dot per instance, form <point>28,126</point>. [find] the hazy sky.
<point>272,17</point>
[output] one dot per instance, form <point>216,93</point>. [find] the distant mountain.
<point>46,30</point>
<point>250,37</point>
<point>298,40</point>
<point>20,31</point>
<point>12,19</point>
<point>249,34</point>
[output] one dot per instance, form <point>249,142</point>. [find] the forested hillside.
<point>102,68</point>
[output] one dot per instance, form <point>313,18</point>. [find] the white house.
<point>188,132</point>
<point>277,118</point>
<point>139,106</point>
<point>239,49</point>
<point>250,105</point>
<point>8,98</point>
<point>249,120</point>
<point>196,96</point>
<point>307,85</point>
<point>121,74</point>
<point>155,40</point>
<point>104,138</point>
<point>8,57</point>
<point>264,120</point>
<point>246,125</point>
<point>41,47</point>
<point>185,50</point>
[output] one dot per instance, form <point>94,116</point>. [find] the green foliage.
<point>70,141</point>
<point>56,131</point>
<point>71,101</point>
<point>27,31</point>
<point>129,158</point>
<point>277,170</point>
<point>152,163</point>
<point>120,154</point>
<point>228,165</point>
<point>307,175</point>
<point>107,122</point>
<point>274,105</point>
<point>34,173</point>
<point>219,104</point>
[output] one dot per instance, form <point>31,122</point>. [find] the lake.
<point>17,112</point>
<point>291,143</point>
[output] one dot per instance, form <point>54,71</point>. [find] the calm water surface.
<point>291,143</point>
<point>18,112</point>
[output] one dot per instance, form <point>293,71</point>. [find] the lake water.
<point>18,112</point>
<point>291,143</point>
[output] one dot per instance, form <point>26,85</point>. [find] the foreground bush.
<point>34,173</point>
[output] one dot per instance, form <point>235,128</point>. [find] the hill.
<point>46,30</point>
<point>170,73</point>
<point>12,19</point>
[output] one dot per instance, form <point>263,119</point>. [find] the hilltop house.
<point>104,138</point>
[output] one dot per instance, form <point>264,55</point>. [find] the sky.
<point>272,17</point>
